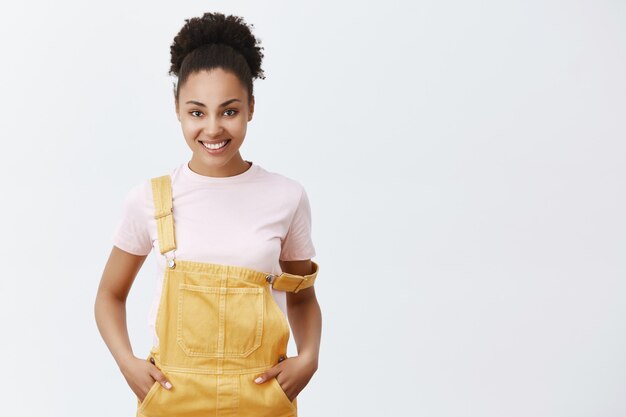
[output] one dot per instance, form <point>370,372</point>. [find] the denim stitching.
<point>221,352</point>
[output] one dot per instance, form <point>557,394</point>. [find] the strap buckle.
<point>171,262</point>
<point>164,213</point>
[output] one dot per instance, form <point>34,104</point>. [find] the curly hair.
<point>215,40</point>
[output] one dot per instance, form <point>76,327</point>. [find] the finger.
<point>159,376</point>
<point>270,373</point>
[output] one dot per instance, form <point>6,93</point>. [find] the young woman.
<point>233,248</point>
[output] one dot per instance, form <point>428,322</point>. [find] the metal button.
<point>171,263</point>
<point>269,278</point>
<point>152,360</point>
<point>281,358</point>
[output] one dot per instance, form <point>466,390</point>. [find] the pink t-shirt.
<point>252,219</point>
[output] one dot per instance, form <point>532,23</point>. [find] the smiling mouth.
<point>215,146</point>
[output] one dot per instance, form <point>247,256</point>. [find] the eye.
<point>233,110</point>
<point>195,111</point>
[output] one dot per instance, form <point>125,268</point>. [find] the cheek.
<point>191,130</point>
<point>237,129</point>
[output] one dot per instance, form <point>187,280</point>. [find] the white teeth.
<point>214,146</point>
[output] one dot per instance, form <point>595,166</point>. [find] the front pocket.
<point>282,394</point>
<point>219,321</point>
<point>149,395</point>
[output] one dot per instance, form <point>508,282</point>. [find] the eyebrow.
<point>226,103</point>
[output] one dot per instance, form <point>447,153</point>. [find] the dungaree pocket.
<point>219,321</point>
<point>156,385</point>
<point>142,404</point>
<point>282,394</point>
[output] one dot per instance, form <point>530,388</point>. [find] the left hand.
<point>292,374</point>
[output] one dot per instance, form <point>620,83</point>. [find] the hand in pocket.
<point>141,376</point>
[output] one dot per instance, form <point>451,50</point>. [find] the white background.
<point>465,164</point>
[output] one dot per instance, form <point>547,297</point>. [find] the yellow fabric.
<point>295,283</point>
<point>219,327</point>
<point>162,194</point>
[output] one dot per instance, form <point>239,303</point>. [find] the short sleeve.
<point>297,244</point>
<point>131,233</point>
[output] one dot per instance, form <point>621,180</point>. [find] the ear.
<point>176,108</point>
<point>251,109</point>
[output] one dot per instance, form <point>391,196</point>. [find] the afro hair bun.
<point>216,28</point>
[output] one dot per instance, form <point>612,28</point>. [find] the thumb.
<point>160,376</point>
<point>269,374</point>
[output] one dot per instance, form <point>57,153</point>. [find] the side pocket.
<point>153,389</point>
<point>282,395</point>
<point>141,405</point>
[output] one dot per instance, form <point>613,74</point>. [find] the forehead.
<point>212,87</point>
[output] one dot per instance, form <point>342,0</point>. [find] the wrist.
<point>310,357</point>
<point>125,360</point>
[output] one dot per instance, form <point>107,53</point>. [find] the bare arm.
<point>110,306</point>
<point>110,311</point>
<point>305,316</point>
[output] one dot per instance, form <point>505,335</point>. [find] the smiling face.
<point>213,107</point>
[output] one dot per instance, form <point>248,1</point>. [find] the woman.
<point>233,248</point>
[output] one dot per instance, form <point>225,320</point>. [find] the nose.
<point>212,127</point>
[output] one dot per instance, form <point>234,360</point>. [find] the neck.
<point>235,166</point>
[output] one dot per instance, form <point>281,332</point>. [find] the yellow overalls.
<point>218,327</point>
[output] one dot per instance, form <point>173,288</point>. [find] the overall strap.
<point>162,195</point>
<point>294,283</point>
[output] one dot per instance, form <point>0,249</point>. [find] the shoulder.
<point>145,188</point>
<point>283,185</point>
<point>139,198</point>
<point>142,191</point>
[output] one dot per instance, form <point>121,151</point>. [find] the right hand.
<point>140,375</point>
